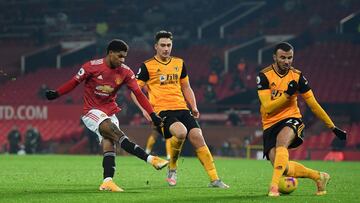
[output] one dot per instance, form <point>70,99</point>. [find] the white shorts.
<point>94,117</point>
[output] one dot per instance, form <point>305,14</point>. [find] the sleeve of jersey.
<point>141,98</point>
<point>184,76</point>
<point>317,109</point>
<point>81,75</point>
<point>67,87</point>
<point>303,84</point>
<point>142,74</point>
<point>264,93</point>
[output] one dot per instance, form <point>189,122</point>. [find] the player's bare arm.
<point>143,103</point>
<point>146,115</point>
<point>190,97</point>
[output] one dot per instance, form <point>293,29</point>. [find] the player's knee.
<point>179,130</point>
<point>104,129</point>
<point>110,131</point>
<point>181,134</point>
<point>196,138</point>
<point>108,145</point>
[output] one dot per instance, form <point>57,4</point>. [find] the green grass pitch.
<point>66,178</point>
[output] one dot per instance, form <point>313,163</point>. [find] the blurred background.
<point>224,44</point>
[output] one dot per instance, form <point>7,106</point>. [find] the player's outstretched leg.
<point>157,162</point>
<point>298,170</point>
<point>322,183</point>
<point>112,132</point>
<point>132,148</point>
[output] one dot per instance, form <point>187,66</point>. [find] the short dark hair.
<point>117,45</point>
<point>163,34</point>
<point>285,46</point>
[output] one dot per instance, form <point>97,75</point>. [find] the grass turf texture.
<point>58,178</point>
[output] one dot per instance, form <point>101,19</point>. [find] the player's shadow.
<point>226,198</point>
<point>167,187</point>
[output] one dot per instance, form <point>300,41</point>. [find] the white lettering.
<point>23,112</point>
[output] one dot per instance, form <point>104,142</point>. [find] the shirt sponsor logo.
<point>105,88</point>
<point>169,79</point>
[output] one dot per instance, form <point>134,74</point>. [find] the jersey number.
<point>293,121</point>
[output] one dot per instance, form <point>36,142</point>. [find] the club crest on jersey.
<point>105,88</point>
<point>275,94</point>
<point>162,78</point>
<point>118,81</point>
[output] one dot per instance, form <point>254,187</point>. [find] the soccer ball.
<point>287,185</point>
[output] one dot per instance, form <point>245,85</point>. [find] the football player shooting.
<point>103,78</point>
<point>169,91</point>
<point>278,86</point>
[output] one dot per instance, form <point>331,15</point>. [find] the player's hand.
<point>292,88</point>
<point>51,94</point>
<point>158,122</point>
<point>341,134</point>
<point>195,112</point>
<point>146,115</point>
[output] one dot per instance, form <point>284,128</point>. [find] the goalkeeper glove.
<point>51,94</point>
<point>292,88</point>
<point>341,134</point>
<point>158,122</point>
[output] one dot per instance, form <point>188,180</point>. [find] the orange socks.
<point>280,163</point>
<point>150,143</point>
<point>168,148</point>
<point>207,161</point>
<point>298,170</point>
<point>176,146</point>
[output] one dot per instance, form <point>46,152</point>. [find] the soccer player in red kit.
<point>103,78</point>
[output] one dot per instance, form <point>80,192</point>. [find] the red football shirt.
<point>102,84</point>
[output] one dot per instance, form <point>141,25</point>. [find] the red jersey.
<point>102,84</point>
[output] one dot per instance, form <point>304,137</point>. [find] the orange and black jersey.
<point>271,86</point>
<point>163,81</point>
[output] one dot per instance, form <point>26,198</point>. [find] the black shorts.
<point>270,134</point>
<point>172,116</point>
